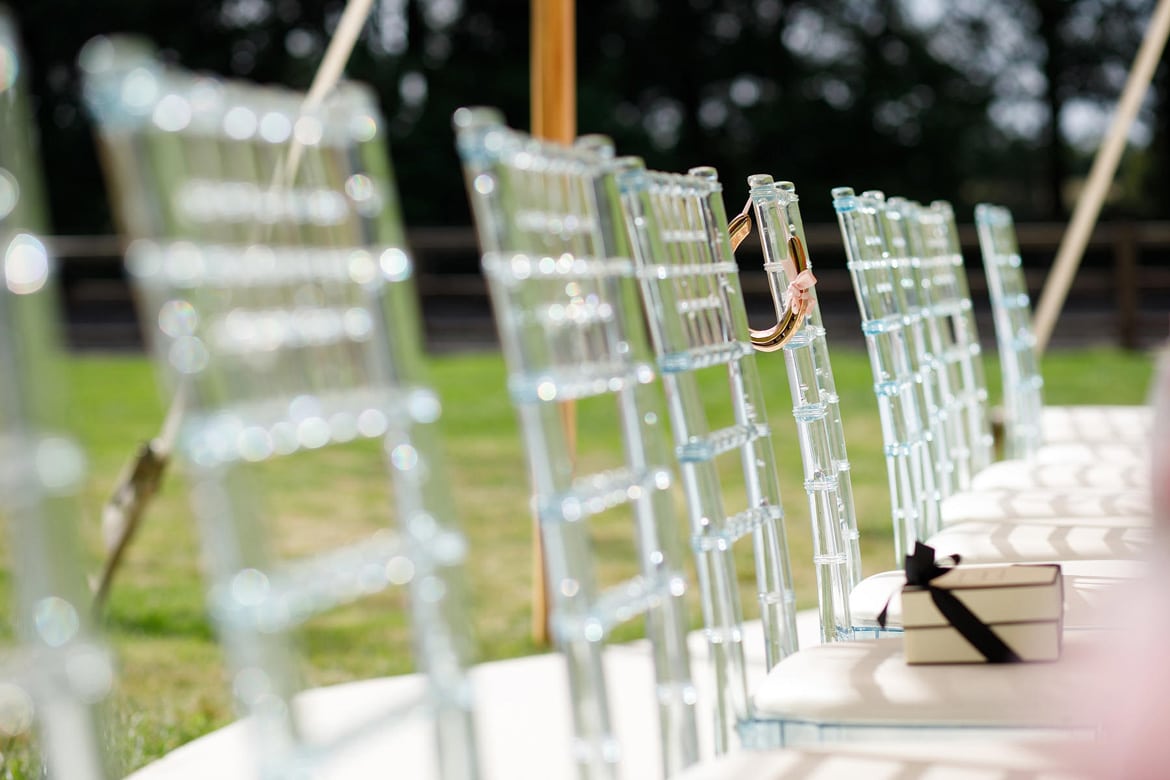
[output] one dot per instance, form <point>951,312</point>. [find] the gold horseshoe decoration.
<point>739,228</point>
<point>775,337</point>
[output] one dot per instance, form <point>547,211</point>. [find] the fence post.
<point>1125,281</point>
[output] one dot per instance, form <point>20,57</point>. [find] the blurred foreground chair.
<point>268,259</point>
<point>1027,422</point>
<point>58,673</point>
<point>564,293</point>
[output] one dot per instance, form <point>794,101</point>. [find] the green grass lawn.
<point>172,685</point>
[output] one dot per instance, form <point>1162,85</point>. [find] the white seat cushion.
<point>1093,452</point>
<point>1096,423</point>
<point>1018,474</point>
<point>1088,587</point>
<point>1055,506</point>
<point>869,683</point>
<point>990,541</point>
<point>921,760</point>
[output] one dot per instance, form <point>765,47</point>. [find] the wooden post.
<point>554,116</point>
<point>1125,280</point>
<point>1072,245</point>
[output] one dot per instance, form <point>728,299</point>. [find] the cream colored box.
<point>1022,605</point>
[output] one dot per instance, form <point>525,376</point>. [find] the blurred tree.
<point>1061,67</point>
<point>1102,39</point>
<point>1053,14</point>
<point>965,100</point>
<point>1154,192</point>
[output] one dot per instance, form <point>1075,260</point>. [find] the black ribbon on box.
<point>921,568</point>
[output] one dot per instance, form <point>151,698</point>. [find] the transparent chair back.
<point>815,406</point>
<point>278,299</point>
<point>1012,313</point>
<point>56,674</point>
<point>951,319</point>
<point>898,384</point>
<point>697,319</point>
<point>564,292</point>
<point>901,232</point>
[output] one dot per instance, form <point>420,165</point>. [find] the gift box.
<point>979,614</point>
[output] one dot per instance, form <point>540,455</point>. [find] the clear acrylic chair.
<point>694,305</point>
<point>950,323</point>
<point>970,445</point>
<point>1027,423</point>
<point>815,403</point>
<point>779,220</point>
<point>936,395</point>
<point>954,315</point>
<point>564,292</point>
<point>960,425</point>
<point>897,381</point>
<point>278,299</point>
<point>820,429</point>
<point>56,674</point>
<point>999,534</point>
<point>839,689</point>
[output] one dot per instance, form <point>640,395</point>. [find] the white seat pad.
<point>1096,424</point>
<point>1093,452</point>
<point>1018,474</point>
<point>921,760</point>
<point>869,683</point>
<point>1089,590</point>
<point>1056,506</point>
<point>990,541</point>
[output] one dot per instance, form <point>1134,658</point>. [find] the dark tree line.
<point>953,100</point>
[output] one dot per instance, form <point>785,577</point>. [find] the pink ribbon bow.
<point>800,300</point>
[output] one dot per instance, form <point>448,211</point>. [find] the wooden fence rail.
<point>1121,294</point>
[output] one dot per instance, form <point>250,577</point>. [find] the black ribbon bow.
<point>921,569</point>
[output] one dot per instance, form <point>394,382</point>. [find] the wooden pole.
<point>554,71</point>
<point>554,116</point>
<point>329,72</point>
<point>1072,244</point>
